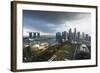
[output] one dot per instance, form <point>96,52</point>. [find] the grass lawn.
<point>66,51</point>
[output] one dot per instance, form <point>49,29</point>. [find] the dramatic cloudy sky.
<point>48,23</point>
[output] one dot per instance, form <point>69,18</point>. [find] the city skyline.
<point>48,23</point>
<point>73,35</point>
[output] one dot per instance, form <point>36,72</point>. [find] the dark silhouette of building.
<point>70,35</point>
<point>64,35</point>
<point>78,36</point>
<point>83,35</point>
<point>86,38</point>
<point>74,34</point>
<point>38,35</point>
<point>30,34</point>
<point>59,37</point>
<point>34,36</point>
<point>89,38</point>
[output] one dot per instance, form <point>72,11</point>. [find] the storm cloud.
<point>51,22</point>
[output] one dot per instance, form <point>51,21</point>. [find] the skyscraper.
<point>86,38</point>
<point>83,35</point>
<point>78,36</point>
<point>70,35</point>
<point>30,34</point>
<point>38,35</point>
<point>74,34</point>
<point>58,37</point>
<point>64,35</point>
<point>89,38</point>
<point>34,35</point>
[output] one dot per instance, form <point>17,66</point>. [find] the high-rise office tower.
<point>59,37</point>
<point>86,38</point>
<point>38,35</point>
<point>64,35</point>
<point>30,34</point>
<point>74,34</point>
<point>78,36</point>
<point>83,36</point>
<point>89,38</point>
<point>34,35</point>
<point>70,35</point>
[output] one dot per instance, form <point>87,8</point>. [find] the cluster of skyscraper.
<point>72,36</point>
<point>34,35</point>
